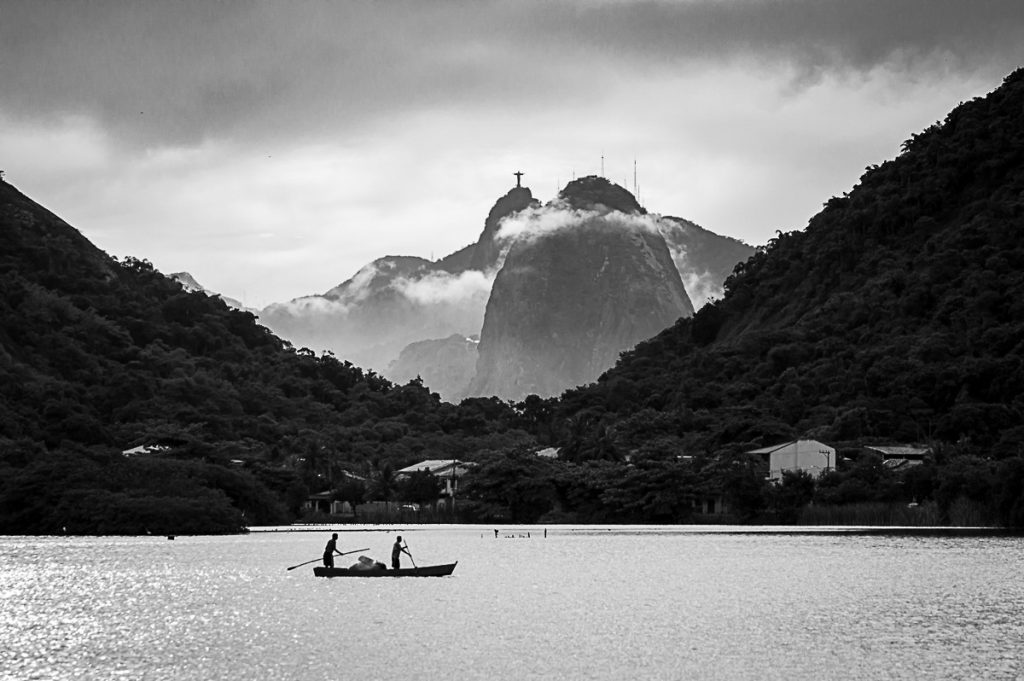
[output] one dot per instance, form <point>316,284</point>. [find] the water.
<point>594,603</point>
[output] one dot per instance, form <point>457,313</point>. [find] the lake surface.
<point>583,603</point>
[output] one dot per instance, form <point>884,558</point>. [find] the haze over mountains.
<point>440,306</point>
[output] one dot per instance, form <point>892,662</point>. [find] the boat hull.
<point>424,571</point>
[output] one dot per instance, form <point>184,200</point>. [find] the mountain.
<point>189,283</point>
<point>446,365</point>
<point>487,249</point>
<point>585,278</point>
<point>897,315</point>
<point>393,301</point>
<point>396,301</point>
<point>102,359</point>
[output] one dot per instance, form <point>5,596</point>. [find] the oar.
<point>411,558</point>
<point>321,558</point>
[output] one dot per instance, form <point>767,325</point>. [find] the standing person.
<point>396,551</point>
<point>330,550</point>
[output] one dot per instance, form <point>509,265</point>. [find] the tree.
<point>420,487</point>
<point>786,499</point>
<point>350,490</point>
<point>512,487</point>
<point>382,481</point>
<point>654,491</point>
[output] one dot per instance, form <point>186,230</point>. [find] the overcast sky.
<point>272,148</point>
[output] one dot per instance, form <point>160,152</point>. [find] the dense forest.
<point>896,316</point>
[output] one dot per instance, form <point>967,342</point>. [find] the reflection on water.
<point>594,603</point>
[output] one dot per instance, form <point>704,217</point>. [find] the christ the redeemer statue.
<point>519,176</point>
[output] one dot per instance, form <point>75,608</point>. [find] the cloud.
<point>816,34</point>
<point>177,73</point>
<point>535,222</point>
<point>311,305</point>
<point>78,144</point>
<point>700,287</point>
<point>432,288</point>
<point>445,288</point>
<point>272,148</point>
<point>360,286</point>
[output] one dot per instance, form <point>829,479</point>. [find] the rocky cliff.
<point>585,278</point>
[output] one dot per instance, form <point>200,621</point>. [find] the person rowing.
<point>396,552</point>
<point>330,550</point>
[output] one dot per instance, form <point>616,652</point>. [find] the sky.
<point>271,149</point>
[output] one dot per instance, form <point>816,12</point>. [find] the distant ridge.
<point>189,283</point>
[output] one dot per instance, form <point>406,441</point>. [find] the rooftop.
<point>434,465</point>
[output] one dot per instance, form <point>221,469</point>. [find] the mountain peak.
<point>515,200</point>
<point>485,254</point>
<point>590,191</point>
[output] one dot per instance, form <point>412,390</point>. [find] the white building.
<point>811,456</point>
<point>448,471</point>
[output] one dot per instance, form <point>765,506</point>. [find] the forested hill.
<point>99,356</point>
<point>896,315</point>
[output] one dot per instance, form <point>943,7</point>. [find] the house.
<point>323,502</point>
<point>449,471</point>
<point>810,456</point>
<point>898,456</point>
<point>144,449</point>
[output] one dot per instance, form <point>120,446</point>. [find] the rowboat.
<point>425,571</point>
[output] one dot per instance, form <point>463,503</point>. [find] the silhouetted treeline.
<point>522,488</point>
